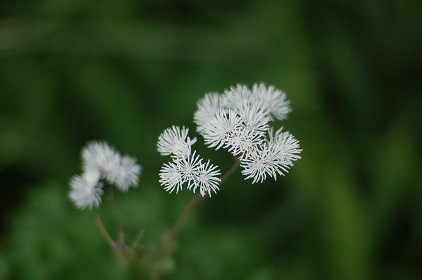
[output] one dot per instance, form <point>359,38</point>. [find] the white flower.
<point>207,107</point>
<point>272,100</point>
<point>99,156</point>
<point>175,141</point>
<point>100,161</point>
<point>126,174</point>
<point>181,170</point>
<point>85,191</point>
<point>254,117</point>
<point>241,141</point>
<point>189,168</point>
<point>237,97</point>
<point>171,177</point>
<point>286,143</point>
<point>207,179</point>
<point>193,172</point>
<point>216,131</point>
<point>255,164</point>
<point>271,158</point>
<point>121,171</point>
<point>239,119</point>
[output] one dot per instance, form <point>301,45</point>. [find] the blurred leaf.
<point>345,228</point>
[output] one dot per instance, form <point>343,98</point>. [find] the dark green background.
<point>76,70</point>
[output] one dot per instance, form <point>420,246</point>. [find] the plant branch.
<point>104,232</point>
<point>194,201</point>
<point>137,239</point>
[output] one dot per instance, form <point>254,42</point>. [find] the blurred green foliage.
<point>72,71</point>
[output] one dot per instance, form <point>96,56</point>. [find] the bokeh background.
<point>76,70</point>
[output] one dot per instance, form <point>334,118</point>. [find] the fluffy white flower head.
<point>100,156</point>
<point>286,143</point>
<point>85,191</point>
<point>126,174</point>
<point>239,121</point>
<point>217,130</point>
<point>207,108</point>
<point>272,100</point>
<point>207,178</point>
<point>242,141</point>
<point>171,177</point>
<point>189,168</point>
<point>192,172</point>
<point>237,97</point>
<point>102,162</point>
<point>175,141</point>
<point>185,168</point>
<point>271,158</point>
<point>256,164</point>
<point>254,117</point>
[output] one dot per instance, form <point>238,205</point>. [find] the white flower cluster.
<point>101,161</point>
<point>238,121</point>
<point>186,167</point>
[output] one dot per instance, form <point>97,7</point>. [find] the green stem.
<point>104,232</point>
<point>194,201</point>
<point>116,212</point>
<point>137,239</point>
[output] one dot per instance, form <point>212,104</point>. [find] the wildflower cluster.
<point>186,167</point>
<point>238,120</point>
<point>102,162</point>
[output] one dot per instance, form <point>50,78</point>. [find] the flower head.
<point>85,191</point>
<point>189,169</point>
<point>286,142</point>
<point>102,162</point>
<point>256,164</point>
<point>216,131</point>
<point>271,158</point>
<point>237,97</point>
<point>175,141</point>
<point>192,172</point>
<point>126,174</point>
<point>272,100</point>
<point>100,156</point>
<point>207,108</point>
<point>239,121</point>
<point>207,179</point>
<point>171,177</point>
<point>241,141</point>
<point>254,118</point>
